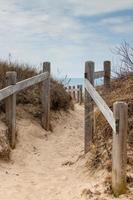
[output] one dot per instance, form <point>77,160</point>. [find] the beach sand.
<point>51,165</point>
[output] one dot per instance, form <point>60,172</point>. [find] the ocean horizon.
<point>78,81</point>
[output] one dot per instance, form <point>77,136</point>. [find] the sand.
<point>51,165</point>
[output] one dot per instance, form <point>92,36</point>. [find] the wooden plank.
<point>98,74</point>
<point>5,92</point>
<point>30,81</point>
<point>89,107</point>
<point>108,114</point>
<point>45,97</point>
<point>11,109</point>
<point>119,153</point>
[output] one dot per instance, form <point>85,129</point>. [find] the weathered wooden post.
<point>89,107</point>
<point>107,73</point>
<point>78,86</point>
<point>11,109</point>
<point>69,90</point>
<point>65,88</point>
<point>80,94</point>
<point>46,98</point>
<point>119,154</point>
<point>74,96</point>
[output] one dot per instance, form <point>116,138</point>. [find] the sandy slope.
<point>50,167</point>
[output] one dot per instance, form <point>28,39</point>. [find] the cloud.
<point>96,7</point>
<point>33,31</point>
<point>122,24</point>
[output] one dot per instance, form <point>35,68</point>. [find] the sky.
<point>66,33</point>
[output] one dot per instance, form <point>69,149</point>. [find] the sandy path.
<point>45,168</point>
<point>36,170</point>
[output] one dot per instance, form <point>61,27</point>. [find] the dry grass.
<point>121,90</point>
<point>59,97</point>
<point>29,100</point>
<point>100,155</point>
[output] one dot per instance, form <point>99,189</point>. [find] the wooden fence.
<point>117,120</point>
<point>12,88</point>
<point>76,93</point>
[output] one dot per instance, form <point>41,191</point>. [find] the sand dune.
<point>51,166</point>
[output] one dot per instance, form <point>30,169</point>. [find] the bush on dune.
<point>121,90</point>
<point>60,99</point>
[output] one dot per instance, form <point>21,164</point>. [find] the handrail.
<point>108,114</point>
<point>7,91</point>
<point>99,74</point>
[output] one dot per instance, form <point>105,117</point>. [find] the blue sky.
<point>67,33</point>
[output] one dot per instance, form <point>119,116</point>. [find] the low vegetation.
<point>29,101</point>
<point>59,97</point>
<point>101,151</point>
<point>121,90</point>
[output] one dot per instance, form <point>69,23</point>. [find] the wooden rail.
<point>117,120</point>
<point>99,74</point>
<point>108,114</point>
<point>12,88</point>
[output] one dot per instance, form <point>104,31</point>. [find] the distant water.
<point>76,81</point>
<point>79,81</point>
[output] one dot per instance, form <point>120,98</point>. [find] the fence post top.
<point>46,66</point>
<point>120,103</point>
<point>89,63</point>
<point>107,62</point>
<point>11,73</point>
<point>119,107</point>
<point>89,71</point>
<point>46,63</point>
<point>79,86</point>
<point>11,77</point>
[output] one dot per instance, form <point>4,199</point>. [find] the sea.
<point>79,81</point>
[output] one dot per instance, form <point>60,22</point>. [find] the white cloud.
<point>95,7</point>
<point>35,30</point>
<point>118,24</point>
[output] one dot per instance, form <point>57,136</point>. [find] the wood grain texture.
<point>98,74</point>
<point>107,73</point>
<point>45,97</point>
<point>108,114</point>
<point>9,90</point>
<point>89,107</point>
<point>11,109</point>
<point>119,153</point>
